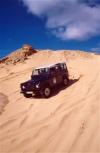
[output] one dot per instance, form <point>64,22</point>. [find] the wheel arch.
<point>44,92</point>
<point>45,84</point>
<point>64,76</point>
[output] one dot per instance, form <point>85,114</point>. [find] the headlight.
<point>38,86</point>
<point>23,87</point>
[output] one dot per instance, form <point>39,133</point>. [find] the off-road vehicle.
<point>44,78</point>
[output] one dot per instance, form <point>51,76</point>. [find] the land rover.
<point>44,78</point>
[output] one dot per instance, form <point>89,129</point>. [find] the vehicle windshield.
<point>41,71</point>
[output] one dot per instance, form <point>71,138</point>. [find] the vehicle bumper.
<point>31,92</point>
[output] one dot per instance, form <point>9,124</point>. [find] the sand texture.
<point>67,122</point>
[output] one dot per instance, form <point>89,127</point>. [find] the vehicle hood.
<point>38,78</point>
<point>35,79</point>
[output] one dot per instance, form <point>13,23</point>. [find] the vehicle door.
<point>54,78</point>
<point>58,73</point>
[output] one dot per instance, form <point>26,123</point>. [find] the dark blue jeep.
<point>44,78</point>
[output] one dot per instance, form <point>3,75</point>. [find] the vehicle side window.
<point>62,67</point>
<point>47,70</point>
<point>58,69</point>
<point>41,71</point>
<point>52,71</point>
<point>65,67</point>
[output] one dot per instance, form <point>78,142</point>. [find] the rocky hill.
<point>23,53</point>
<point>19,55</point>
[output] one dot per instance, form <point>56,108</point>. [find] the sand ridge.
<point>66,122</point>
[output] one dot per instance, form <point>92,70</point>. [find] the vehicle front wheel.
<point>47,91</point>
<point>65,81</point>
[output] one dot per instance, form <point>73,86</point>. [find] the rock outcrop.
<point>28,50</point>
<point>19,55</point>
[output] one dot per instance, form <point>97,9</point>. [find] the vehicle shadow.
<point>60,87</point>
<point>57,89</point>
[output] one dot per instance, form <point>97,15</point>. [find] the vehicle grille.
<point>28,87</point>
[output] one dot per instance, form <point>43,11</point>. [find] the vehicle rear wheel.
<point>65,81</point>
<point>47,91</point>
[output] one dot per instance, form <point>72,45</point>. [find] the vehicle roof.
<point>49,66</point>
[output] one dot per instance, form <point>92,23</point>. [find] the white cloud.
<point>67,19</point>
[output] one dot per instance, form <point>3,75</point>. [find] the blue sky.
<point>49,24</point>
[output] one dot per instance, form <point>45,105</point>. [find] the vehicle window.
<point>40,71</point>
<point>65,67</point>
<point>62,67</point>
<point>47,70</point>
<point>58,69</point>
<point>35,72</point>
<point>52,71</point>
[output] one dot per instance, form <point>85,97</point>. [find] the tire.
<point>47,91</point>
<point>65,81</point>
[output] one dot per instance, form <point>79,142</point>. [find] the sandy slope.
<point>69,121</point>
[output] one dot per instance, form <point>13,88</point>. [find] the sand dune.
<point>69,121</point>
